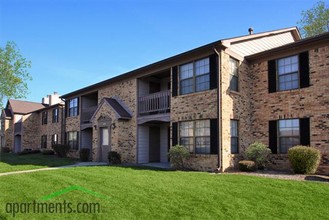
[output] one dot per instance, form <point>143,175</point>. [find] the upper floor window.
<point>288,134</point>
<point>44,118</point>
<point>194,76</point>
<point>288,73</point>
<point>234,74</point>
<point>55,115</point>
<point>195,135</point>
<point>73,107</point>
<point>234,137</point>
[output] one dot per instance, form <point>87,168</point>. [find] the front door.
<point>104,144</point>
<point>154,144</point>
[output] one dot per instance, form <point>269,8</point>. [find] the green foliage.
<point>178,154</point>
<point>114,157</point>
<point>315,20</point>
<point>258,153</point>
<point>61,150</point>
<point>47,152</point>
<point>304,160</point>
<point>13,73</point>
<point>84,154</point>
<point>5,150</point>
<point>29,151</point>
<point>247,166</point>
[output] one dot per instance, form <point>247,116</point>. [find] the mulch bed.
<point>285,175</point>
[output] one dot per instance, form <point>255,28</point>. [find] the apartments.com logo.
<point>44,206</point>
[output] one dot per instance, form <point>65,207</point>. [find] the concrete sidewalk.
<point>80,164</point>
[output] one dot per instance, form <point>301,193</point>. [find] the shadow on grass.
<point>317,178</point>
<point>37,159</point>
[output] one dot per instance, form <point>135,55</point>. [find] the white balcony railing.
<point>158,102</point>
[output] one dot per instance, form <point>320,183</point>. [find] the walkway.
<point>81,164</point>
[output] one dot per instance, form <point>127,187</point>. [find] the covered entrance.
<point>153,142</point>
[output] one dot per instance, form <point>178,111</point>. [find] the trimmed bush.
<point>114,157</point>
<point>61,150</point>
<point>304,160</point>
<point>258,153</point>
<point>247,166</point>
<point>178,154</point>
<point>5,150</point>
<point>48,152</point>
<point>84,154</point>
<point>29,151</point>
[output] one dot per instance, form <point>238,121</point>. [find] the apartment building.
<point>216,100</point>
<point>31,125</point>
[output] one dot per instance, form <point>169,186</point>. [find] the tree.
<point>13,73</point>
<point>315,20</point>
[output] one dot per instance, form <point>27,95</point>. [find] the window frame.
<point>193,149</point>
<point>55,117</point>
<point>73,107</point>
<point>44,117</point>
<point>286,74</point>
<point>53,141</point>
<point>43,142</point>
<point>234,76</point>
<point>235,137</point>
<point>280,137</point>
<point>74,144</point>
<point>194,76</point>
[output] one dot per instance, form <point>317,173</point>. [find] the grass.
<point>12,162</point>
<point>152,194</point>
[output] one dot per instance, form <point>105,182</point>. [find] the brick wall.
<point>310,102</point>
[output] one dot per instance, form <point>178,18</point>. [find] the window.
<point>44,141</point>
<point>44,118</point>
<point>72,140</point>
<point>234,137</point>
<point>195,76</point>
<point>234,75</point>
<point>55,115</point>
<point>54,139</point>
<point>289,135</point>
<point>288,73</point>
<point>195,135</point>
<point>73,107</point>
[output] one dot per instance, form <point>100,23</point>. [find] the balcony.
<point>87,113</point>
<point>18,127</point>
<point>155,103</point>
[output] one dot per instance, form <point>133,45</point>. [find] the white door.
<point>104,144</point>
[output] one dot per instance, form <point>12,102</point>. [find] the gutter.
<point>219,113</point>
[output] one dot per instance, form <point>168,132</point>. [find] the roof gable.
<point>24,107</point>
<point>120,111</point>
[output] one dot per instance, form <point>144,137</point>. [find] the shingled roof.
<point>24,107</point>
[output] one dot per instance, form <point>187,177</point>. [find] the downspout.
<point>219,112</point>
<point>63,126</point>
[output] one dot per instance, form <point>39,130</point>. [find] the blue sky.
<point>76,43</point>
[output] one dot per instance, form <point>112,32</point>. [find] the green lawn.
<point>129,193</point>
<point>12,162</point>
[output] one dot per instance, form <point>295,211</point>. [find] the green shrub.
<point>247,166</point>
<point>114,157</point>
<point>84,154</point>
<point>29,151</point>
<point>5,150</point>
<point>178,154</point>
<point>258,153</point>
<point>61,150</point>
<point>47,152</point>
<point>304,160</point>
